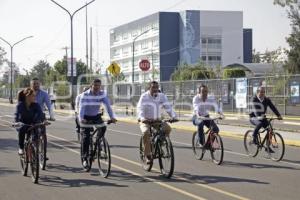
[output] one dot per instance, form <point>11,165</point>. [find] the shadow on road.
<point>216,179</point>
<point>55,181</point>
<point>8,144</point>
<point>5,171</point>
<point>257,165</point>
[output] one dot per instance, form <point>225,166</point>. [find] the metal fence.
<point>283,90</point>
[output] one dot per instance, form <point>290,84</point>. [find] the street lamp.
<point>134,39</point>
<point>11,63</point>
<point>71,17</point>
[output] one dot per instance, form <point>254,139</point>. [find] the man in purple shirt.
<point>89,112</point>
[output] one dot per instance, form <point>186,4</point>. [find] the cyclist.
<point>77,108</point>
<point>202,104</point>
<point>259,105</point>
<point>42,98</point>
<point>149,109</point>
<point>27,112</point>
<point>89,107</point>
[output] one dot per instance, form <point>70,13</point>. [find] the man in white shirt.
<point>149,109</point>
<point>202,104</point>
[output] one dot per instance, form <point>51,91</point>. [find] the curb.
<point>179,127</point>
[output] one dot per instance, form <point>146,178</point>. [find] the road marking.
<point>189,145</point>
<point>292,123</point>
<point>174,141</point>
<point>185,193</point>
<point>177,177</point>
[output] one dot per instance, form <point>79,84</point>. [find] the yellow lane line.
<point>177,177</point>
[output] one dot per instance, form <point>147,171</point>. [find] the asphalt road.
<point>239,177</point>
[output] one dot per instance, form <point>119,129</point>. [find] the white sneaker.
<point>21,151</point>
<point>85,164</point>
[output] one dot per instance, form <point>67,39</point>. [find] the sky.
<point>50,25</point>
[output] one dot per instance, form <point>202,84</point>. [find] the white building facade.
<point>167,39</point>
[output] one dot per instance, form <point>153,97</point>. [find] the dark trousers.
<point>208,123</point>
<point>21,134</point>
<point>258,125</point>
<point>85,131</point>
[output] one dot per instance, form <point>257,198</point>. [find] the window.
<point>134,33</point>
<point>116,52</point>
<point>116,38</point>
<point>144,45</point>
<point>203,58</point>
<point>154,43</point>
<point>125,51</point>
<point>125,36</point>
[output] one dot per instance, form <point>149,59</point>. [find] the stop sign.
<point>144,65</point>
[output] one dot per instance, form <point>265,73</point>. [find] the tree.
<point>192,72</point>
<point>256,56</point>
<point>234,73</point>
<point>293,62</point>
<point>41,70</point>
<point>2,54</point>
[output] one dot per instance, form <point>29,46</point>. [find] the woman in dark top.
<point>27,112</point>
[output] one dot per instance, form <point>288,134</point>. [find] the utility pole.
<point>91,49</point>
<point>11,64</point>
<point>71,19</point>
<point>86,37</point>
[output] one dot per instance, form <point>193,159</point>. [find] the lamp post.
<point>134,39</point>
<point>71,18</point>
<point>11,63</point>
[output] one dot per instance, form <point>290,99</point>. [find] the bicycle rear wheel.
<point>104,158</point>
<point>42,153</point>
<point>34,164</point>
<point>250,147</point>
<point>276,147</point>
<point>166,157</point>
<point>146,166</point>
<point>217,149</point>
<point>197,147</point>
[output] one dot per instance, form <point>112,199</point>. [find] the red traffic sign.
<point>144,65</point>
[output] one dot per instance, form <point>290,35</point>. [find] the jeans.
<point>201,123</point>
<point>85,141</point>
<point>259,124</point>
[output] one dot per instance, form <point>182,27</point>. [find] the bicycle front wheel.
<point>24,162</point>
<point>217,149</point>
<point>104,158</point>
<point>34,163</point>
<point>276,147</point>
<point>166,157</point>
<point>42,153</point>
<point>197,147</point>
<point>250,147</point>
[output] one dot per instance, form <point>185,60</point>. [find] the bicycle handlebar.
<point>20,124</point>
<point>156,121</point>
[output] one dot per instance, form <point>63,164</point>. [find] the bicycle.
<point>213,143</point>
<point>272,142</point>
<point>98,148</point>
<point>161,149</point>
<point>32,155</point>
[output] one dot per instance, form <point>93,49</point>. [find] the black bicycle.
<point>98,149</point>
<point>272,142</point>
<point>161,148</point>
<point>213,143</point>
<point>33,149</point>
